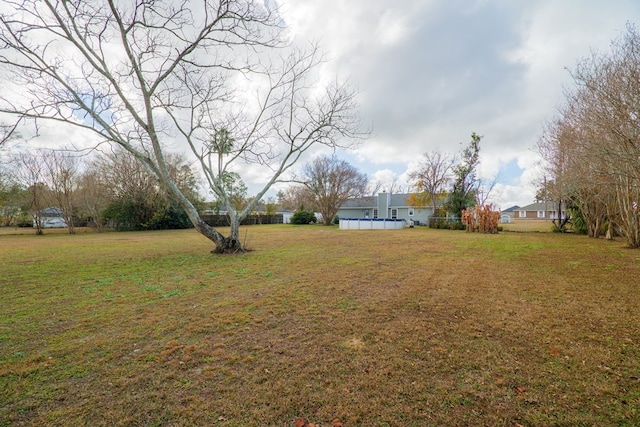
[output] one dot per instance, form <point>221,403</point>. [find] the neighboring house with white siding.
<point>51,218</point>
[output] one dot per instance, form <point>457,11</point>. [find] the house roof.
<point>399,199</point>
<point>362,202</point>
<point>371,202</point>
<point>512,209</point>
<point>51,212</point>
<point>538,206</point>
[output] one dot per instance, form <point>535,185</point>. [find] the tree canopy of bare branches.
<point>61,172</point>
<point>329,182</point>
<point>431,179</point>
<point>592,147</point>
<point>148,76</point>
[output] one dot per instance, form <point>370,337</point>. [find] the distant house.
<point>385,206</point>
<point>51,218</point>
<point>539,210</point>
<point>511,212</point>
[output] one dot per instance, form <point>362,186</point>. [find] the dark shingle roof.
<point>512,209</point>
<point>395,201</point>
<point>362,202</point>
<point>538,206</point>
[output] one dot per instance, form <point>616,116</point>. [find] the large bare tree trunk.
<point>224,245</point>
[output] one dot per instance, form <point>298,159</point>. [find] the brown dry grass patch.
<point>413,327</point>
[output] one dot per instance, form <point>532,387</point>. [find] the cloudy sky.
<point>431,72</point>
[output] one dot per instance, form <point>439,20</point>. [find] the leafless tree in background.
<point>60,172</point>
<point>597,137</point>
<point>391,186</point>
<point>330,182</point>
<point>295,197</point>
<point>92,198</point>
<point>31,175</point>
<point>431,179</point>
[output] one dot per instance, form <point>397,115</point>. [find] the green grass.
<point>413,327</point>
<point>522,225</point>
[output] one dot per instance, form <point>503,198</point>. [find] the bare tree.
<point>30,173</point>
<point>146,75</point>
<point>555,147</point>
<point>391,185</point>
<point>431,178</point>
<point>594,146</point>
<point>330,182</point>
<point>60,171</point>
<point>8,132</point>
<point>294,197</point>
<point>92,198</point>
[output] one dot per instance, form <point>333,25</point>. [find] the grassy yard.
<point>528,226</point>
<point>413,327</point>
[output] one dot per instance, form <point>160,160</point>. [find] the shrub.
<point>169,217</point>
<point>446,223</point>
<point>457,225</point>
<point>303,217</point>
<point>336,220</point>
<point>25,221</point>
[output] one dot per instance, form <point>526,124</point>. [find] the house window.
<point>394,213</point>
<point>375,213</point>
<point>365,213</point>
<point>410,212</point>
<point>540,214</point>
<point>522,214</point>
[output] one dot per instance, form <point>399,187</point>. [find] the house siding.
<point>539,211</point>
<point>383,206</point>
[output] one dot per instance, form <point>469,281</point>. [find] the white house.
<point>51,218</point>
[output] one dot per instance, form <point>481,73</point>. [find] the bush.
<point>25,221</point>
<point>169,217</point>
<point>445,223</point>
<point>457,225</point>
<point>128,215</point>
<point>336,220</point>
<point>303,217</point>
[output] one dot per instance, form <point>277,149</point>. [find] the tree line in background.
<point>592,146</point>
<point>114,190</point>
<point>111,190</point>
